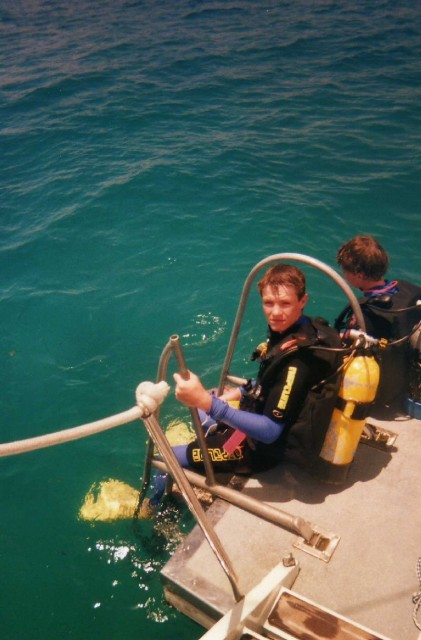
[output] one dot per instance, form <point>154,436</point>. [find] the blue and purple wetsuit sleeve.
<point>254,425</point>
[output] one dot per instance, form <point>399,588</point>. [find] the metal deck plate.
<point>371,576</point>
<point>321,545</point>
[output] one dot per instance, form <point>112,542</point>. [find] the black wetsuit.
<point>384,320</point>
<point>286,391</point>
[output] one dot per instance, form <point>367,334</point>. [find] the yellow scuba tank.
<point>356,394</point>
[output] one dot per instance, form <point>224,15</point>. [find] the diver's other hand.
<point>191,392</point>
<point>231,393</point>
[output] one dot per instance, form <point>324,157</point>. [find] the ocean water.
<point>151,153</point>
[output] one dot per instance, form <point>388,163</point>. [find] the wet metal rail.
<point>178,474</point>
<point>183,478</point>
<point>186,478</point>
<point>293,523</point>
<point>284,257</point>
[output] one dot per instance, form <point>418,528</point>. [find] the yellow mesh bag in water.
<point>113,499</point>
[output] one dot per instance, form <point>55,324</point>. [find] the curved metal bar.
<point>147,465</point>
<point>293,523</point>
<point>163,361</point>
<point>173,347</point>
<point>297,257</point>
<point>210,475</point>
<point>157,438</point>
<point>178,474</point>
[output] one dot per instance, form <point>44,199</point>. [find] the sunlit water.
<point>151,154</point>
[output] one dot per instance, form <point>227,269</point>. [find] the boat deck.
<point>371,575</point>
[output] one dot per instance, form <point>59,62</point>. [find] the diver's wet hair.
<point>284,275</point>
<point>363,255</point>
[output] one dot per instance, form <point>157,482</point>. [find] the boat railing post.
<point>178,474</point>
<point>147,466</point>
<point>164,358</point>
<point>158,438</point>
<point>207,463</point>
<point>173,347</point>
<point>279,257</point>
<point>283,519</point>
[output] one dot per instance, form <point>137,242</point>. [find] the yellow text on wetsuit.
<point>217,455</point>
<point>284,397</point>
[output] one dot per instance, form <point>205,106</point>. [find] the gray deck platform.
<point>371,575</point>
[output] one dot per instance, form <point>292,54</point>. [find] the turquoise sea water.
<point>151,154</point>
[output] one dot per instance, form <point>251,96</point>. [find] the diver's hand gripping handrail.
<point>207,463</point>
<point>173,347</point>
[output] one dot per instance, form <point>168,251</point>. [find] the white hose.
<point>148,397</point>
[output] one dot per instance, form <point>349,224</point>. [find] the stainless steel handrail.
<point>293,523</point>
<point>178,474</point>
<point>173,347</point>
<point>279,257</point>
<point>147,467</point>
<point>184,477</point>
<point>207,463</point>
<point>157,438</point>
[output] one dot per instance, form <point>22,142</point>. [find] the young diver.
<point>273,415</point>
<point>390,311</point>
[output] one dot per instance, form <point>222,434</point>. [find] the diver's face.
<point>281,306</point>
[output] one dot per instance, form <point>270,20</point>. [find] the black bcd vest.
<point>301,441</point>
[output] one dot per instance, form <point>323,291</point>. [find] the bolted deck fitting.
<point>321,545</point>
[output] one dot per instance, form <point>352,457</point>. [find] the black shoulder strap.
<point>308,335</point>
